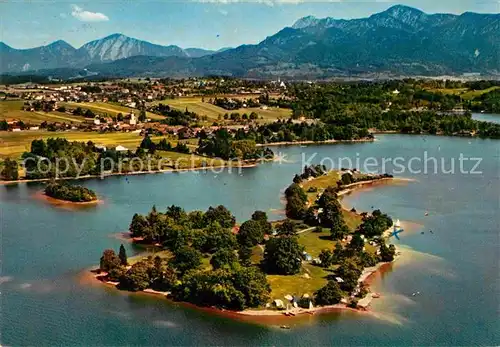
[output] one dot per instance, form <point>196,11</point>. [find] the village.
<point>132,106</point>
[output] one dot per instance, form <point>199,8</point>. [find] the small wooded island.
<point>71,193</point>
<point>319,256</point>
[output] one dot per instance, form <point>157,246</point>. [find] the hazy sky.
<point>187,23</point>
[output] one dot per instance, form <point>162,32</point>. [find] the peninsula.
<point>316,259</point>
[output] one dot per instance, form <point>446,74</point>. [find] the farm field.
<point>13,144</point>
<point>109,108</point>
<point>464,93</point>
<point>194,104</point>
<point>12,110</point>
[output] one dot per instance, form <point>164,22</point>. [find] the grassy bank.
<point>11,109</point>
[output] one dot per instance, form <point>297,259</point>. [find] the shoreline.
<point>309,142</point>
<point>91,276</point>
<point>347,189</point>
<point>132,173</point>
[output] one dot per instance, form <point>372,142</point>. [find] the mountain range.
<point>401,40</point>
<point>60,54</point>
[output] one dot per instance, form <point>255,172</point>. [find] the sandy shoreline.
<point>356,186</point>
<point>90,276</point>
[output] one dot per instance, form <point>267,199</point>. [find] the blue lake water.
<point>487,117</point>
<point>455,269</point>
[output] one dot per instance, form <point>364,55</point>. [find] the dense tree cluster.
<point>375,224</point>
<point>10,170</point>
<point>289,131</point>
<point>68,192</point>
<point>72,157</point>
<point>412,109</point>
<point>312,171</point>
<point>234,289</point>
<point>283,255</point>
<point>350,178</point>
<point>163,145</point>
<point>174,227</point>
<point>223,144</point>
<point>231,283</point>
<point>296,201</point>
<point>228,104</point>
<point>174,116</point>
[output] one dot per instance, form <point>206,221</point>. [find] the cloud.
<point>267,2</point>
<point>87,16</point>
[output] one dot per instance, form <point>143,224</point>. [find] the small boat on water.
<point>285,327</point>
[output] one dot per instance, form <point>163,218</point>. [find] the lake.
<point>454,269</point>
<point>487,117</point>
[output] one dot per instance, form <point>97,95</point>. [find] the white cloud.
<point>267,2</point>
<point>87,16</point>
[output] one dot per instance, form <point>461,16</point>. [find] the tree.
<point>123,256</point>
<point>349,271</point>
<point>375,224</point>
<point>147,143</point>
<point>142,116</point>
<point>10,170</point>
<point>283,256</point>
<point>196,218</point>
<point>186,258</point>
<point>220,214</point>
<point>138,225</point>
<point>330,294</point>
<point>137,277</point>
<point>339,228</point>
<point>287,228</point>
<point>244,255</point>
<point>295,207</point>
<point>261,217</point>
<point>326,257</point>
<point>251,233</point>
<point>4,126</point>
<point>355,247</point>
<point>218,237</point>
<point>252,282</point>
<point>117,273</point>
<point>331,215</point>
<point>346,178</point>
<point>387,253</point>
<point>109,260</point>
<point>295,190</point>
<point>177,213</point>
<point>224,258</point>
<point>310,217</point>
